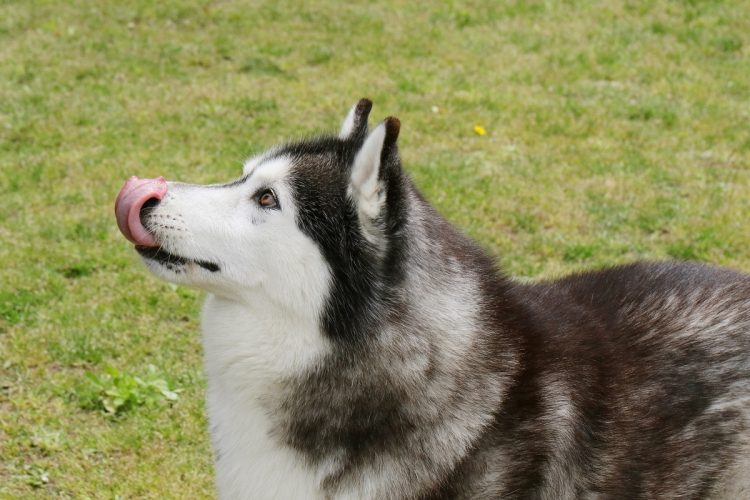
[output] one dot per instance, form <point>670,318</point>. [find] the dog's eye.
<point>267,199</point>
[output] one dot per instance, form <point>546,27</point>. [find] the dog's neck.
<point>284,397</point>
<point>249,349</point>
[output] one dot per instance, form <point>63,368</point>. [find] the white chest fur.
<point>251,464</point>
<point>247,350</point>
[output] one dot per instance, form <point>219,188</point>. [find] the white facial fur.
<point>261,252</point>
<point>259,325</point>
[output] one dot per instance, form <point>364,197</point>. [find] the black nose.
<point>146,210</point>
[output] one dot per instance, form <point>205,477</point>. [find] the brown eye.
<point>267,199</point>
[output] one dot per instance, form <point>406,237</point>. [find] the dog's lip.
<point>162,256</point>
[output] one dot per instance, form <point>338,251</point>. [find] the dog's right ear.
<point>355,123</point>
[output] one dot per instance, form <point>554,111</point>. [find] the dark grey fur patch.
<point>615,383</point>
<point>362,282</point>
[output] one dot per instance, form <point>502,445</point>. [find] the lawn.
<point>614,131</point>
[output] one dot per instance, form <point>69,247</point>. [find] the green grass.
<point>615,131</point>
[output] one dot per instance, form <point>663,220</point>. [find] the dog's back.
<point>635,384</point>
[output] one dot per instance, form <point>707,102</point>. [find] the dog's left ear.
<point>355,123</point>
<point>372,167</point>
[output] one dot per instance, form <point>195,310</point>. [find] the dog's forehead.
<point>325,155</point>
<point>270,169</point>
<point>309,169</point>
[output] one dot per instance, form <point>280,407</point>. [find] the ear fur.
<point>370,169</point>
<point>355,123</point>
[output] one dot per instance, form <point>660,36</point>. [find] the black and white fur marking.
<point>358,346</point>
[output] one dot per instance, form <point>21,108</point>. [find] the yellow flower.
<point>479,130</point>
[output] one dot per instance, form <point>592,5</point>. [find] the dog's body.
<point>358,346</point>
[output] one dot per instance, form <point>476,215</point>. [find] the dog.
<point>358,346</point>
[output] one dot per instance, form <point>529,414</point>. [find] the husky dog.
<point>358,346</point>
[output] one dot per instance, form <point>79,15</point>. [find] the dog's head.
<point>310,226</point>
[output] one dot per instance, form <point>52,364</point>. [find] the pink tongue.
<point>128,206</point>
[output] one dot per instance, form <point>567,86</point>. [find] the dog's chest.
<point>246,350</point>
<point>250,462</point>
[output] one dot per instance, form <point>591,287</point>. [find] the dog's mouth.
<point>173,262</point>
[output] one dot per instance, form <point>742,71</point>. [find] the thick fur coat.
<point>359,346</point>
